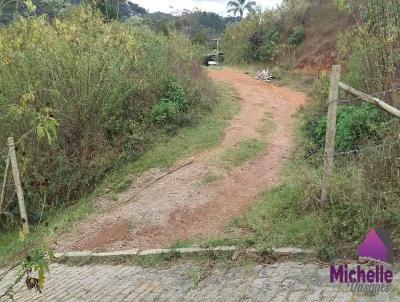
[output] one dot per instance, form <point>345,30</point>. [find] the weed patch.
<point>274,220</point>
<point>267,125</point>
<point>85,93</point>
<point>166,150</point>
<point>209,177</point>
<point>243,151</point>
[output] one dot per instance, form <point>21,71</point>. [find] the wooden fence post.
<point>3,189</point>
<point>330,134</point>
<point>18,186</point>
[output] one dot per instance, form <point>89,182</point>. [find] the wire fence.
<point>379,149</point>
<point>368,175</point>
<point>377,154</point>
<point>358,98</point>
<point>363,150</point>
<point>375,94</point>
<point>350,154</point>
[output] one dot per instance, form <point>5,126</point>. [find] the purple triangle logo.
<point>377,245</point>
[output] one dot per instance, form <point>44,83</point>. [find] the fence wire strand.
<point>362,150</point>
<point>375,94</point>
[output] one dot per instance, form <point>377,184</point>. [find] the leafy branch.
<point>33,268</point>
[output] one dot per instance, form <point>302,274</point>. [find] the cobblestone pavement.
<point>188,281</point>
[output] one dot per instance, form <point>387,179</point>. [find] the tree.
<point>119,9</point>
<point>239,6</point>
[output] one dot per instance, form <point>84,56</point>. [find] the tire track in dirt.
<point>179,206</point>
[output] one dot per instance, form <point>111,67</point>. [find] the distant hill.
<point>191,22</point>
<point>52,8</point>
<point>199,26</point>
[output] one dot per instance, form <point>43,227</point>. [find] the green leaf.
<point>30,6</point>
<point>51,254</point>
<point>49,138</point>
<point>42,278</point>
<point>40,131</point>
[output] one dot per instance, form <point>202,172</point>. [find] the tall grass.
<point>253,39</point>
<point>164,152</point>
<point>88,89</point>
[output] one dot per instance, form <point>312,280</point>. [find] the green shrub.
<point>263,44</point>
<point>242,152</point>
<point>298,35</point>
<point>370,51</point>
<point>365,184</point>
<point>101,83</point>
<point>252,39</point>
<point>172,105</point>
<point>355,125</point>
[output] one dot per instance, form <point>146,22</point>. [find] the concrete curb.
<point>290,251</point>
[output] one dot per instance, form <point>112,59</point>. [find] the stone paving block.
<point>343,297</point>
<point>329,293</point>
<point>259,283</point>
<point>266,295</point>
<point>289,281</point>
<point>282,294</point>
<point>361,299</point>
<point>296,296</point>
<point>382,297</point>
<point>313,295</point>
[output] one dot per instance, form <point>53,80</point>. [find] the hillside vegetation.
<point>299,33</point>
<point>84,95</point>
<point>364,37</point>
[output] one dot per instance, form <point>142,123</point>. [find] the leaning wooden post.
<point>18,186</point>
<point>3,189</point>
<point>330,134</point>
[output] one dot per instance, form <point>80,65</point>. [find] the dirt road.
<point>181,206</point>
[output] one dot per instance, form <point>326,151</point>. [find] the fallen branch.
<point>3,274</point>
<point>158,178</point>
<point>265,75</point>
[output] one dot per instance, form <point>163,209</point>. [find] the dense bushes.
<point>358,50</point>
<point>104,87</point>
<point>170,109</point>
<point>371,50</point>
<point>355,126</point>
<point>365,185</point>
<point>295,12</point>
<point>256,38</point>
<point>253,39</point>
<point>298,35</point>
<point>263,44</point>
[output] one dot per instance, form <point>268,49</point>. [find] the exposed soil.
<point>180,206</point>
<point>323,24</point>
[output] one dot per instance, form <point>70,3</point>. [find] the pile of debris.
<point>265,75</point>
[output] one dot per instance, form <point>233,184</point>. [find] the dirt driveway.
<point>181,206</point>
